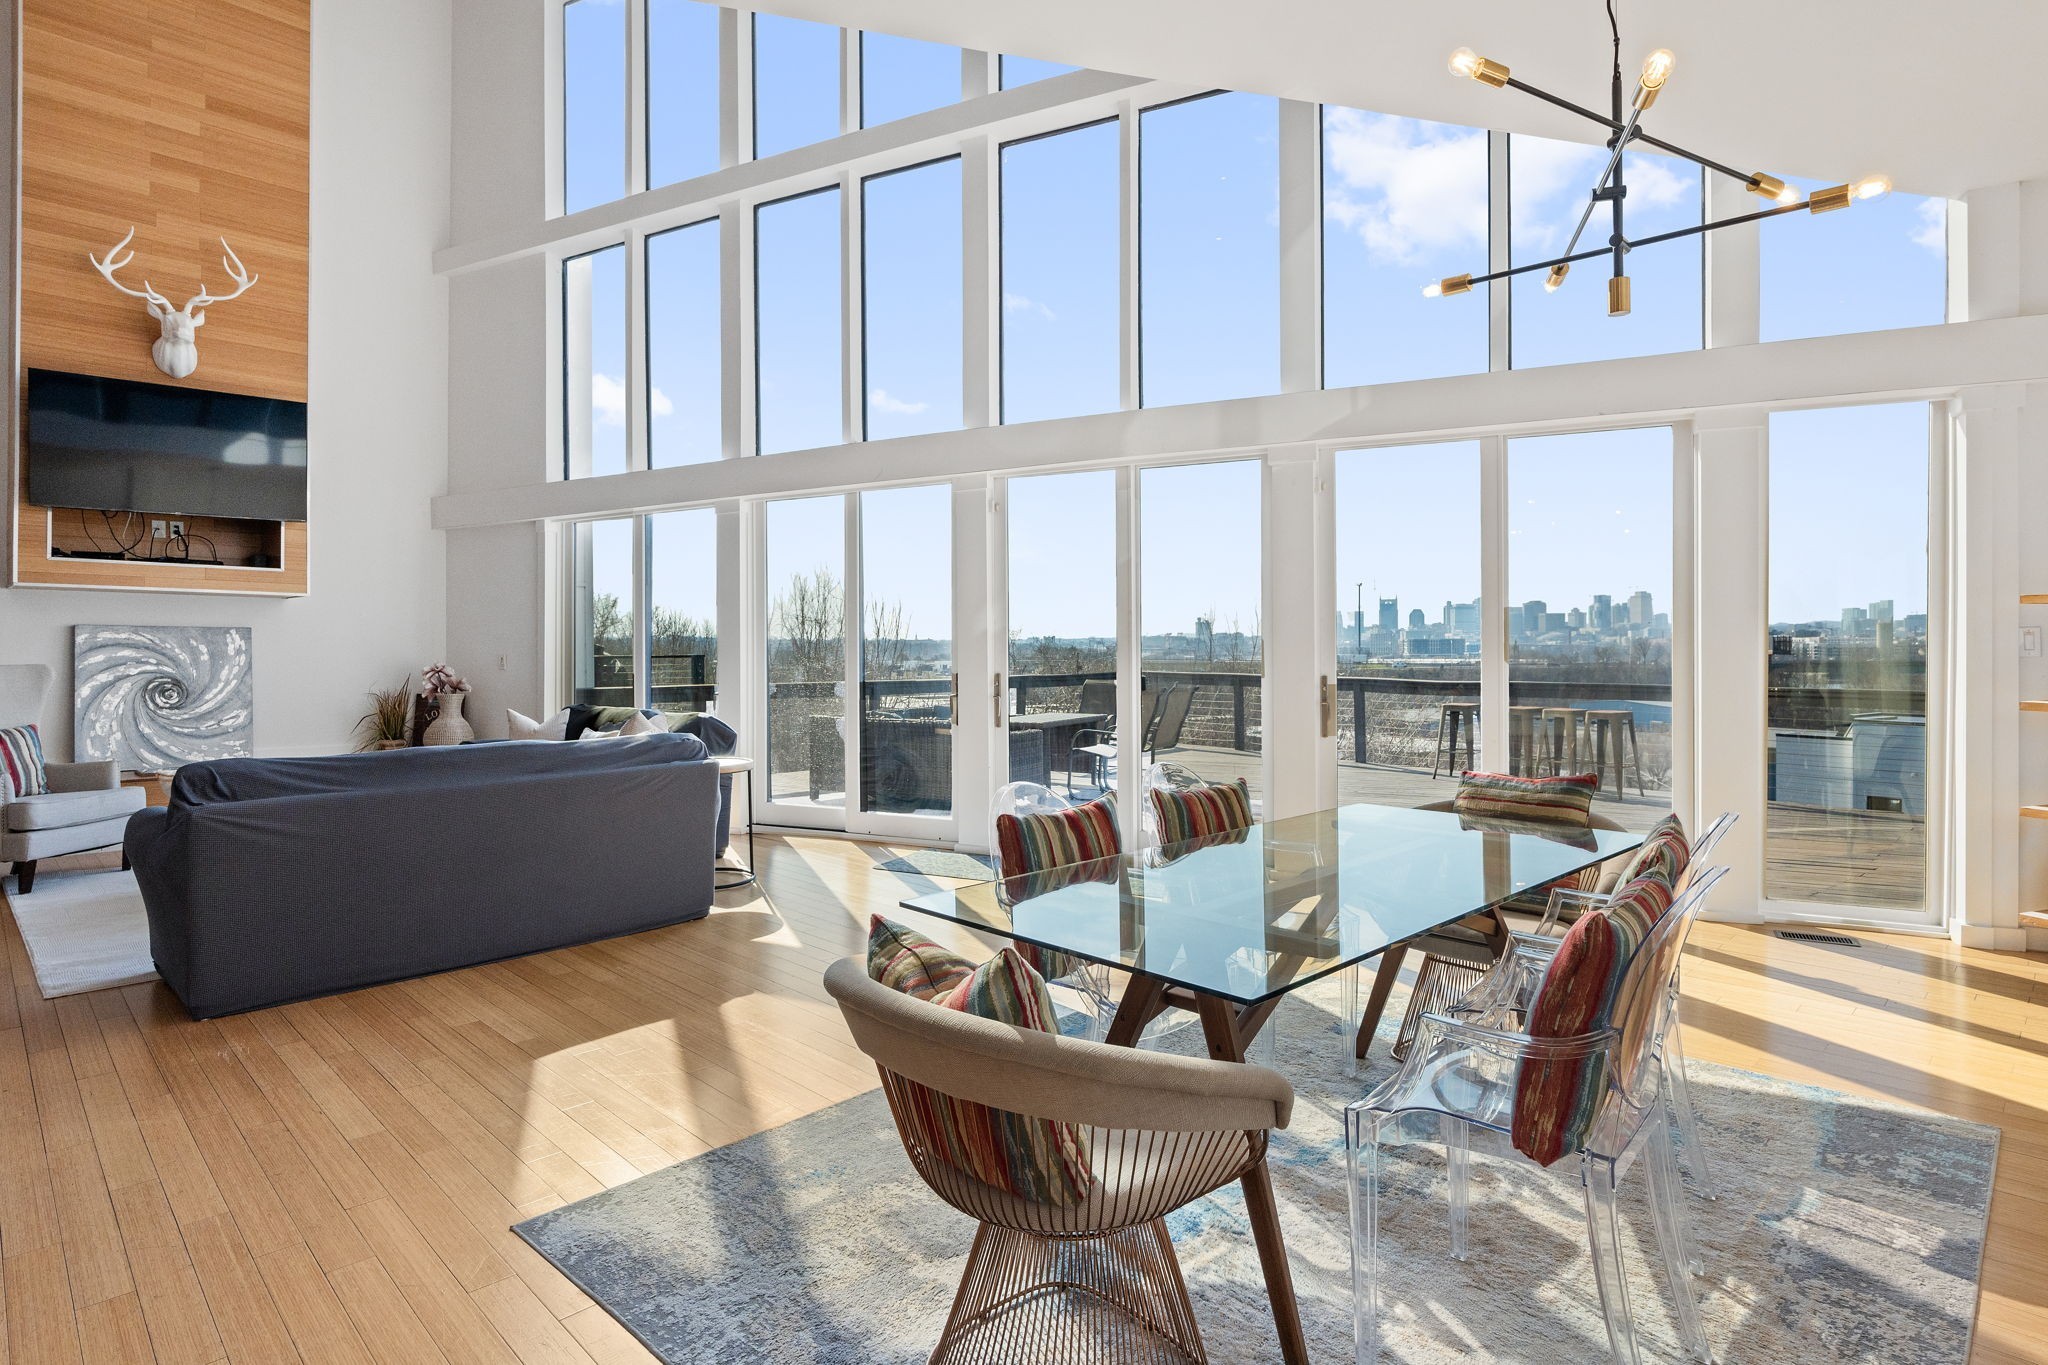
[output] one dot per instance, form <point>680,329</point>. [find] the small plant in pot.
<point>385,725</point>
<point>438,718</point>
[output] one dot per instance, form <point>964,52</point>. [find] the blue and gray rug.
<point>1847,1230</point>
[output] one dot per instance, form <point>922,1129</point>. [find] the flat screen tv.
<point>117,445</point>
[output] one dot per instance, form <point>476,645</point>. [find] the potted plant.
<point>385,725</point>
<point>438,719</point>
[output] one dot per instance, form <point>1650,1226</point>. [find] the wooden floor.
<point>333,1181</point>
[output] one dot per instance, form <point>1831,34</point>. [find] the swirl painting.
<point>154,697</point>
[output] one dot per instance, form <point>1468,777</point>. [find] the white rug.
<point>85,931</point>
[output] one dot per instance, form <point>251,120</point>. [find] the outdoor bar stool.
<point>1524,756</point>
<point>1456,714</point>
<point>1561,726</point>
<point>1607,730</point>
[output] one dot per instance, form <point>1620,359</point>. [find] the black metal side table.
<point>732,765</point>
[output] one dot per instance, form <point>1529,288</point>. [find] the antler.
<point>237,272</point>
<point>116,260</point>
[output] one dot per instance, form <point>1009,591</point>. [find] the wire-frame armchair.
<point>1462,1074</point>
<point>1094,1278</point>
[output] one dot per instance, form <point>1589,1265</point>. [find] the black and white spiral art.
<point>154,697</point>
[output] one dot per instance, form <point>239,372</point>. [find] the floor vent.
<point>1811,936</point>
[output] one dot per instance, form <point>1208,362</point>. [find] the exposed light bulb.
<point>1872,187</point>
<point>1465,62</point>
<point>1433,290</point>
<point>1657,68</point>
<point>1555,278</point>
<point>1788,195</point>
<point>1449,284</point>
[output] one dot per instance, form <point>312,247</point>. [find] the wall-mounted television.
<point>117,445</point>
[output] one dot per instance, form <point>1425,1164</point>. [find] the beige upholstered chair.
<point>86,806</point>
<point>1095,1279</point>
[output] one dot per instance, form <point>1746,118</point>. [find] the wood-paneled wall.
<point>189,121</point>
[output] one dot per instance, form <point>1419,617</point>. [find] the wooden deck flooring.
<point>333,1181</point>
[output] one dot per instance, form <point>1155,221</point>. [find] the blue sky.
<point>1404,202</point>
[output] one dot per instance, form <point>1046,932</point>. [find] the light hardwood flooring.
<point>333,1181</point>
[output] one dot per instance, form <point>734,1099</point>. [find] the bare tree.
<point>885,651</point>
<point>806,626</point>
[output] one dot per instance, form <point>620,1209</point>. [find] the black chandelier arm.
<point>1598,251</point>
<point>1513,270</point>
<point>1614,126</point>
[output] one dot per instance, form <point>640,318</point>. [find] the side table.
<point>156,786</point>
<point>732,765</point>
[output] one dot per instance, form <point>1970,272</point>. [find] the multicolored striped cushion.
<point>1552,800</point>
<point>1666,852</point>
<point>1198,812</point>
<point>21,755</point>
<point>1042,853</point>
<point>907,961</point>
<point>1557,1101</point>
<point>1032,1158</point>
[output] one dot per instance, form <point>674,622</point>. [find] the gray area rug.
<point>1847,1230</point>
<point>939,862</point>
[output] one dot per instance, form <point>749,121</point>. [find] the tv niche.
<point>120,463</point>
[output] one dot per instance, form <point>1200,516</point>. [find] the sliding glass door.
<point>1061,690</point>
<point>804,552</point>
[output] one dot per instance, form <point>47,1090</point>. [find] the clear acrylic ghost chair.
<point>1509,987</point>
<point>1462,1075</point>
<point>1086,985</point>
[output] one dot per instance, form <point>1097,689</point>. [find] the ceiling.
<point>1832,89</point>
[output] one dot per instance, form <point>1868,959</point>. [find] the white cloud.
<point>1405,187</point>
<point>881,401</point>
<point>1017,303</point>
<point>608,400</point>
<point>1932,231</point>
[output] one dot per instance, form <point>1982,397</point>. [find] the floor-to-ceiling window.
<point>602,612</point>
<point>1201,568</point>
<point>911,304</point>
<point>1209,249</point>
<point>908,674</point>
<point>1847,654</point>
<point>1061,253</point>
<point>1409,613</point>
<point>1062,533</point>
<point>1404,202</point>
<point>685,362</point>
<point>799,334</point>
<point>594,342</point>
<point>682,610</point>
<point>804,651</point>
<point>1589,614</point>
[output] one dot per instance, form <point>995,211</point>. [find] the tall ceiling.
<point>1941,96</point>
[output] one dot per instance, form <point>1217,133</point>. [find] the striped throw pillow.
<point>1198,812</point>
<point>1031,1158</point>
<point>1665,852</point>
<point>1042,853</point>
<point>1545,800</point>
<point>21,755</point>
<point>907,961</point>
<point>1557,1101</point>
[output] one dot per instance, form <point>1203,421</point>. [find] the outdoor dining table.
<point>1227,926</point>
<point>1061,728</point>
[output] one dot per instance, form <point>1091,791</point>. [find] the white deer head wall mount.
<point>176,352</point>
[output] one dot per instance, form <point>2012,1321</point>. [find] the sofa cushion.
<point>21,762</point>
<point>519,726</point>
<point>62,810</point>
<point>256,779</point>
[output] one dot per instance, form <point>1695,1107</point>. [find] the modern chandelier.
<point>1623,129</point>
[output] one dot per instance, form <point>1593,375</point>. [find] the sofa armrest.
<point>83,777</point>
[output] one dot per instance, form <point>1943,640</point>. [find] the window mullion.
<point>1498,294</point>
<point>981,286</point>
<point>638,390</point>
<point>1127,275</point>
<point>1493,603</point>
<point>852,288</point>
<point>735,87</point>
<point>1301,238</point>
<point>636,96</point>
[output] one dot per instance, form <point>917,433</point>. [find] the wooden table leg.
<point>1376,1004</point>
<point>1142,1001</point>
<point>1264,1213</point>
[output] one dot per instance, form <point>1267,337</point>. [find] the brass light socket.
<point>1490,72</point>
<point>1455,284</point>
<point>1769,186</point>
<point>1617,296</point>
<point>1646,95</point>
<point>1825,201</point>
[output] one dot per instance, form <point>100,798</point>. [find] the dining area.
<point>1163,977</point>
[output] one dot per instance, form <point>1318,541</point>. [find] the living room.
<point>882,681</point>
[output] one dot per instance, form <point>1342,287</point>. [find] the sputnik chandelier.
<point>1623,129</point>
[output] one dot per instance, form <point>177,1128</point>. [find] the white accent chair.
<point>86,806</point>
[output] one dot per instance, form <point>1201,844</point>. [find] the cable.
<point>1615,25</point>
<point>211,552</point>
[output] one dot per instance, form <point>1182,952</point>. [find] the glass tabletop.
<point>1249,915</point>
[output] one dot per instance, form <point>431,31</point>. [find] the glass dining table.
<point>1227,926</point>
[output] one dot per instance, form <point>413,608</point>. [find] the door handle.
<point>1329,708</point>
<point>999,702</point>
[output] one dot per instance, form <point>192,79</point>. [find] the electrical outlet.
<point>2030,642</point>
<point>177,529</point>
<point>156,528</point>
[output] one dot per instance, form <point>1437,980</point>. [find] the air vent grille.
<point>1814,936</point>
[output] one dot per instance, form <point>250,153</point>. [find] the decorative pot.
<point>384,744</point>
<point>445,724</point>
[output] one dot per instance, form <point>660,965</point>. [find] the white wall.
<point>378,412</point>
